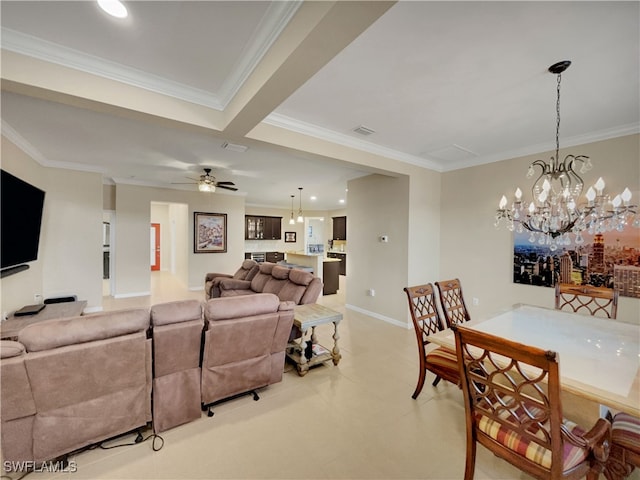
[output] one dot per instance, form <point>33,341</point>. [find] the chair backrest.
<point>247,270</point>
<point>424,313</point>
<point>452,302</point>
<point>512,397</point>
<point>597,301</point>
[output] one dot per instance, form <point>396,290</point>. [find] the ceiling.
<point>443,85</point>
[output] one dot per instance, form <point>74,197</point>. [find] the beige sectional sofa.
<point>289,284</point>
<point>247,271</point>
<point>74,382</point>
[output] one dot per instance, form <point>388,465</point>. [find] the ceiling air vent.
<point>362,130</point>
<point>234,147</point>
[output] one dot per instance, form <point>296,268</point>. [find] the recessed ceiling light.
<point>341,200</point>
<point>115,8</point>
<point>313,197</point>
<point>234,147</point>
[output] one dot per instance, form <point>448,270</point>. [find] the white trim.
<point>390,320</point>
<point>68,57</point>
<point>131,295</point>
<point>93,310</point>
<point>271,26</point>
<point>196,289</point>
<point>288,123</point>
<point>11,134</point>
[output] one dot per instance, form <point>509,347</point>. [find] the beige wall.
<point>481,256</point>
<point>378,205</point>
<point>70,253</point>
<point>133,217</point>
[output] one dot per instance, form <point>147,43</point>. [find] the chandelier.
<point>554,212</point>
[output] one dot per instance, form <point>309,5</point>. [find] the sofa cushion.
<point>226,308</point>
<point>300,277</point>
<point>280,273</point>
<point>69,331</point>
<point>9,348</point>
<point>176,312</point>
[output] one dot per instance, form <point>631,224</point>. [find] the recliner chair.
<point>247,271</point>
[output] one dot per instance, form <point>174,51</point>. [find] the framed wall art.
<point>209,232</point>
<point>289,237</point>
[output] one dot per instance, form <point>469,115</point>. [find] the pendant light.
<point>291,220</point>
<point>300,217</point>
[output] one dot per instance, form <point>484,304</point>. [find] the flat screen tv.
<point>20,222</point>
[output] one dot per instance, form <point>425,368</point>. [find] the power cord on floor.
<point>139,439</point>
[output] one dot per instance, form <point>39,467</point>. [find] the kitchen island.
<point>325,268</point>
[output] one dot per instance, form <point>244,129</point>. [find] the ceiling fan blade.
<point>227,188</point>
<point>225,183</point>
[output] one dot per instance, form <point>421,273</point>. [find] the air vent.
<point>234,147</point>
<point>362,130</point>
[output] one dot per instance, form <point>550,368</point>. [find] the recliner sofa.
<point>70,383</point>
<point>289,284</point>
<point>247,271</point>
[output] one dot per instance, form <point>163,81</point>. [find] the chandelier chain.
<point>557,159</point>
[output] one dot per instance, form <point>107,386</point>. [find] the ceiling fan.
<point>208,183</point>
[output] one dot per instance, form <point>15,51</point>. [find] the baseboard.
<point>130,295</point>
<point>93,310</point>
<point>390,320</point>
<point>196,289</point>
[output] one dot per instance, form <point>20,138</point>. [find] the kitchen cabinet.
<point>339,228</point>
<point>274,257</point>
<point>342,269</point>
<point>330,271</point>
<point>262,227</point>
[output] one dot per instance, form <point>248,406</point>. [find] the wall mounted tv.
<point>20,223</point>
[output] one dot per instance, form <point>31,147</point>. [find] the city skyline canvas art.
<point>611,259</point>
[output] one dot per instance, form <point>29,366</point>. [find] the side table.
<point>10,328</point>
<point>309,317</point>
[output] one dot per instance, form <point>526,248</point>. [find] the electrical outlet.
<point>371,292</point>
<point>476,301</point>
<point>37,298</point>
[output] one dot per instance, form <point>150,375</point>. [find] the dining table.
<point>599,358</point>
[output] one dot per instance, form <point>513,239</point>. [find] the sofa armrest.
<point>234,284</point>
<point>210,276</point>
<point>286,305</point>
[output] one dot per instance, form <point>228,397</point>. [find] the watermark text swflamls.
<point>31,466</point>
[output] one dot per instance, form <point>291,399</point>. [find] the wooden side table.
<point>309,317</point>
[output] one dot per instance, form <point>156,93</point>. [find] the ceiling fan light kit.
<point>207,183</point>
<point>554,212</point>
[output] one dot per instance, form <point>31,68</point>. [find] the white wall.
<point>482,257</point>
<point>70,253</point>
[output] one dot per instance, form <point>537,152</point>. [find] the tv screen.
<point>20,220</point>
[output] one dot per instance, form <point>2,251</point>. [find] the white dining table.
<point>599,358</point>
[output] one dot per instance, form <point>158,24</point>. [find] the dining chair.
<point>441,361</point>
<point>598,301</point>
<point>452,302</point>
<point>625,447</point>
<point>512,408</point>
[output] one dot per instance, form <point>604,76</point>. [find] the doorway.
<point>154,243</point>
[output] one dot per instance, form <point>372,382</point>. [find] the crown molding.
<point>615,132</point>
<point>10,133</point>
<point>288,123</point>
<point>34,47</point>
<point>271,26</point>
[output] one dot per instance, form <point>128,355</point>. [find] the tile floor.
<point>352,421</point>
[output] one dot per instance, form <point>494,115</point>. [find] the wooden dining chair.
<point>625,447</point>
<point>598,301</point>
<point>512,406</point>
<point>441,361</point>
<point>452,302</point>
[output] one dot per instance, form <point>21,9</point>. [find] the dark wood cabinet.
<point>274,257</point>
<point>342,269</point>
<point>262,227</point>
<point>330,279</point>
<point>339,228</point>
